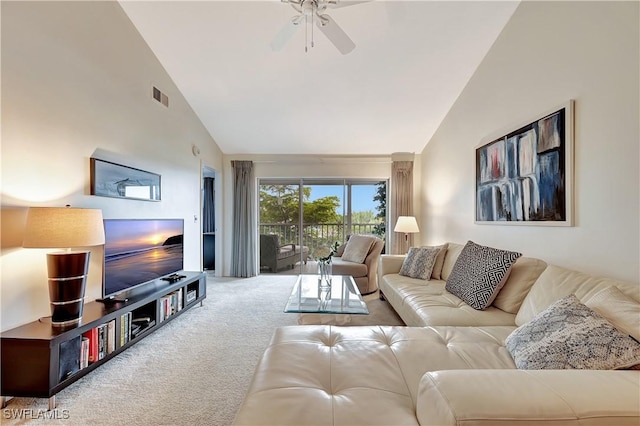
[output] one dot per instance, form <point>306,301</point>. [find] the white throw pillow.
<point>357,248</point>
<point>419,262</point>
<point>570,335</point>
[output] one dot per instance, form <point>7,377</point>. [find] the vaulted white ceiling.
<point>411,61</point>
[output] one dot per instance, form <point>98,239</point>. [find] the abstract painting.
<point>525,175</point>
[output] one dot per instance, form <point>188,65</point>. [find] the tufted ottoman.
<point>360,375</point>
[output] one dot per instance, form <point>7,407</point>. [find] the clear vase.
<point>324,274</point>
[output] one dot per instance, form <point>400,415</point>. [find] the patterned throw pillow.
<point>419,262</point>
<point>479,274</point>
<point>569,335</point>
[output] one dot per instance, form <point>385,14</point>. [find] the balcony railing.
<point>317,234</point>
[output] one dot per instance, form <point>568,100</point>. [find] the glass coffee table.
<point>341,300</point>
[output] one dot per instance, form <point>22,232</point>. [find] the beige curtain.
<point>401,202</point>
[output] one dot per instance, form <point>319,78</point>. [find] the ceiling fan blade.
<point>285,33</point>
<point>335,34</point>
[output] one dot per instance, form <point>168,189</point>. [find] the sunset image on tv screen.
<point>138,251</point>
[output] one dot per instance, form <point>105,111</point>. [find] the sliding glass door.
<point>324,214</point>
<point>279,227</point>
<point>305,214</point>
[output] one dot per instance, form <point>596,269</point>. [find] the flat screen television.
<point>138,251</point>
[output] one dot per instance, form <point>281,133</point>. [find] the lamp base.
<point>68,324</point>
<point>67,282</point>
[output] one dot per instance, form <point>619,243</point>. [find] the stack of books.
<point>170,304</point>
<point>97,343</point>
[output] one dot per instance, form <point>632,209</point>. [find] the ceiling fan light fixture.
<point>309,7</point>
<point>313,10</point>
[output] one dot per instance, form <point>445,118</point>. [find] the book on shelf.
<point>177,304</point>
<point>171,304</point>
<point>92,337</point>
<point>180,293</point>
<point>125,328</point>
<point>102,341</point>
<point>174,302</point>
<point>135,329</point>
<point>84,352</point>
<point>165,307</point>
<point>111,336</point>
<point>99,341</point>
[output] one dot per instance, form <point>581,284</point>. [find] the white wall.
<point>303,166</point>
<point>548,53</point>
<point>76,82</point>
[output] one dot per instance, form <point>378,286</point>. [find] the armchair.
<point>365,273</point>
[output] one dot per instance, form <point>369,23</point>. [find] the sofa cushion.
<point>422,304</point>
<point>523,273</point>
<point>436,273</point>
<point>453,251</point>
<point>618,308</point>
<point>570,335</point>
<point>419,262</point>
<point>357,248</point>
<point>479,274</point>
<point>342,267</point>
<point>286,251</point>
<point>556,282</point>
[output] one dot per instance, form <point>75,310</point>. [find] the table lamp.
<point>65,227</point>
<point>408,225</point>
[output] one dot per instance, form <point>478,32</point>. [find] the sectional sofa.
<point>471,371</point>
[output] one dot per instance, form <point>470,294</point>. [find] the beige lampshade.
<point>406,224</point>
<point>63,227</point>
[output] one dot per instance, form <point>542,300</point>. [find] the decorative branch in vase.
<point>323,257</point>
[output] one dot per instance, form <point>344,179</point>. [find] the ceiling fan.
<point>310,12</point>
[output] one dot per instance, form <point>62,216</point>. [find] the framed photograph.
<point>115,180</point>
<point>525,175</point>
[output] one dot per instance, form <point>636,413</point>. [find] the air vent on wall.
<point>160,97</point>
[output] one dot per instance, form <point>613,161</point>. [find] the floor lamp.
<point>65,227</point>
<point>407,225</point>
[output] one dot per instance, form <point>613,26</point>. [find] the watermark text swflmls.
<point>32,414</point>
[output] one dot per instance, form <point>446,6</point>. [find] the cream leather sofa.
<point>440,375</point>
<point>419,302</point>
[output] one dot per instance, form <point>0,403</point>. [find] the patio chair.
<point>275,256</point>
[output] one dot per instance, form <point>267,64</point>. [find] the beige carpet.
<point>195,370</point>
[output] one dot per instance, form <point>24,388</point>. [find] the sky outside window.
<point>361,195</point>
